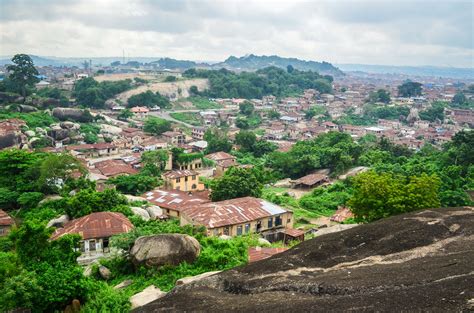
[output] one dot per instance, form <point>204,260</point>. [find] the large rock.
<point>58,222</point>
<point>76,115</point>
<point>417,262</point>
<point>158,250</point>
<point>148,295</point>
<point>123,284</point>
<point>154,211</point>
<point>141,212</point>
<point>104,272</point>
<point>191,279</point>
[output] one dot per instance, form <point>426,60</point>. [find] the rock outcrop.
<point>146,296</point>
<point>77,115</point>
<point>158,250</point>
<point>421,262</point>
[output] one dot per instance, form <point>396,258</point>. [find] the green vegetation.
<point>235,183</point>
<point>91,132</point>
<point>267,81</point>
<point>190,118</point>
<point>409,89</point>
<point>156,125</point>
<point>435,112</point>
<point>217,140</point>
<point>33,120</point>
<point>22,74</point>
<point>149,99</point>
<point>170,78</point>
<point>54,93</point>
<point>380,95</point>
<point>125,114</point>
<point>90,93</point>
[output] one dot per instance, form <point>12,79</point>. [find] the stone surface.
<point>141,212</point>
<point>154,211</point>
<point>50,198</point>
<point>416,262</point>
<point>77,115</point>
<point>191,279</point>
<point>158,250</point>
<point>124,284</point>
<point>58,222</point>
<point>148,295</point>
<point>105,272</point>
<point>264,242</point>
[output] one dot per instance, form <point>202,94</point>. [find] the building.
<point>173,138</point>
<point>140,112</point>
<point>113,168</point>
<point>198,133</point>
<point>342,214</point>
<point>223,160</point>
<point>95,230</point>
<point>240,216</point>
<point>94,150</point>
<point>310,181</point>
<point>183,180</point>
<point>172,202</point>
<point>6,223</point>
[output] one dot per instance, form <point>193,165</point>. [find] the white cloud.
<point>371,32</point>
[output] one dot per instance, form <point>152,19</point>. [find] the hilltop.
<point>422,261</point>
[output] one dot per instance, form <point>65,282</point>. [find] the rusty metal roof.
<point>173,199</point>
<point>259,253</point>
<point>5,219</point>
<point>232,212</point>
<point>96,225</point>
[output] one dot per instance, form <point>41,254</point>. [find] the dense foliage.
<point>236,183</point>
<point>156,125</point>
<point>217,140</point>
<point>409,89</point>
<point>149,99</point>
<point>92,94</point>
<point>267,81</point>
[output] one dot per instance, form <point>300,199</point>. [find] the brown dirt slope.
<point>417,262</point>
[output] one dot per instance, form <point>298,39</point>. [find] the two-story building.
<point>173,138</point>
<point>184,180</point>
<point>240,216</point>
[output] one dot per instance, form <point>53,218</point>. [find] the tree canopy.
<point>149,99</point>
<point>156,125</point>
<point>235,183</point>
<point>22,73</point>
<point>409,89</point>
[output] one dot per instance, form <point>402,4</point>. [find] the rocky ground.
<point>423,261</point>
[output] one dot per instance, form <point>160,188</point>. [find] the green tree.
<point>134,184</point>
<point>217,140</point>
<point>56,169</point>
<point>235,183</point>
<point>381,195</point>
<point>22,72</point>
<point>380,95</point>
<point>242,123</point>
<point>409,89</point>
<point>459,98</point>
<point>273,114</point>
<point>246,108</point>
<point>125,115</point>
<point>170,78</point>
<point>156,125</point>
<point>246,140</point>
<point>149,99</point>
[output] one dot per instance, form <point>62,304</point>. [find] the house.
<point>94,150</point>
<point>310,181</point>
<point>198,133</point>
<point>189,164</point>
<point>173,138</point>
<point>95,230</point>
<point>113,168</point>
<point>223,160</point>
<point>184,180</point>
<point>172,202</point>
<point>240,216</point>
<point>42,84</point>
<point>133,136</point>
<point>260,253</point>
<point>6,223</point>
<point>291,234</point>
<point>140,112</point>
<point>209,118</point>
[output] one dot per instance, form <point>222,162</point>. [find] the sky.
<point>388,32</point>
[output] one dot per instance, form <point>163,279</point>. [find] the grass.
<point>204,104</point>
<point>190,118</point>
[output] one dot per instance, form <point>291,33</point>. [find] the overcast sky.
<point>420,32</point>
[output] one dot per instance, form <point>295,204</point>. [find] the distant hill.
<point>173,63</point>
<point>433,71</point>
<point>254,62</point>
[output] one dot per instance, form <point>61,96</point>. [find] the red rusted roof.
<point>341,215</point>
<point>294,232</point>
<point>180,173</point>
<point>232,212</point>
<point>311,179</point>
<point>5,219</point>
<point>219,156</point>
<point>258,253</point>
<point>111,168</point>
<point>96,225</point>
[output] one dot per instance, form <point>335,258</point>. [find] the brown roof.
<point>219,156</point>
<point>96,225</point>
<point>258,253</point>
<point>227,163</point>
<point>311,179</point>
<point>174,199</point>
<point>171,134</point>
<point>232,212</point>
<point>112,168</point>
<point>294,232</point>
<point>95,146</point>
<point>180,173</point>
<point>5,219</point>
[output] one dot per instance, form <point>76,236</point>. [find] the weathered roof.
<point>341,215</point>
<point>5,219</point>
<point>311,179</point>
<point>95,146</point>
<point>294,232</point>
<point>173,199</point>
<point>96,225</point>
<point>180,173</point>
<point>232,212</point>
<point>259,253</point>
<point>219,156</point>
<point>111,168</point>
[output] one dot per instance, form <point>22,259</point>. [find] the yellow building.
<point>239,217</point>
<point>185,180</point>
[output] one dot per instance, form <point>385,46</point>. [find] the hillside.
<point>422,261</point>
<point>253,62</point>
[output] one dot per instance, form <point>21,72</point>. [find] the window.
<point>194,177</point>
<point>288,220</point>
<point>270,222</point>
<point>82,246</point>
<point>186,178</point>
<point>239,230</point>
<point>178,180</point>
<point>278,221</point>
<point>193,186</point>
<point>226,230</point>
<point>92,245</point>
<point>247,228</point>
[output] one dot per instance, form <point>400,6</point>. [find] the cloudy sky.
<point>417,32</point>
